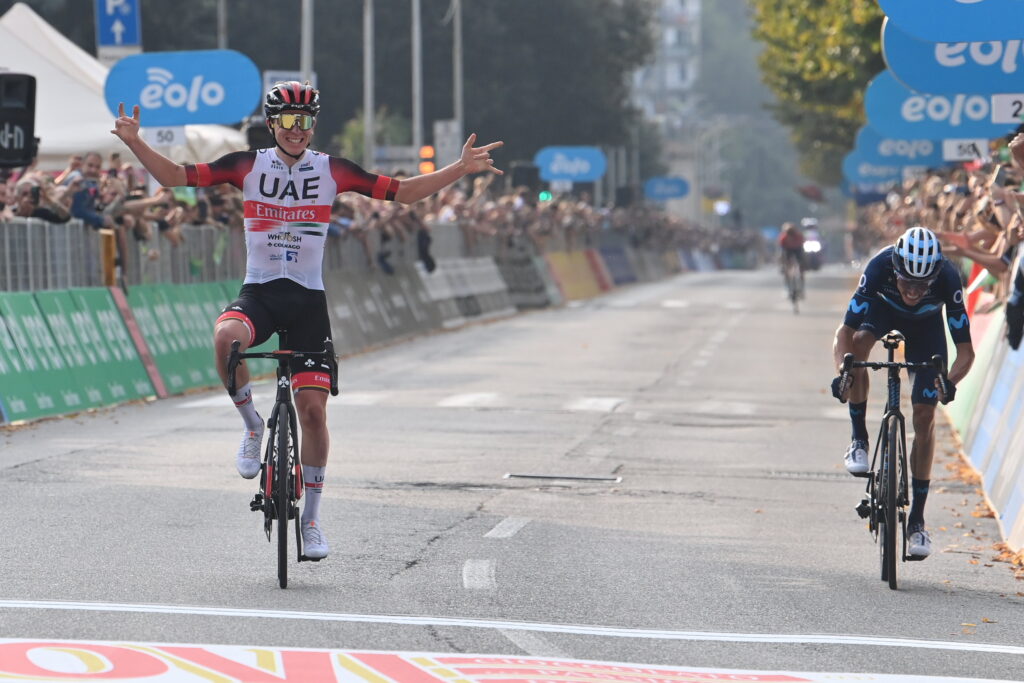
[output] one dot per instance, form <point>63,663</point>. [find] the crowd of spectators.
<point>977,211</point>
<point>113,194</point>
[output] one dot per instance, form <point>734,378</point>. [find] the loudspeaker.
<point>524,173</point>
<point>18,144</point>
<point>258,135</point>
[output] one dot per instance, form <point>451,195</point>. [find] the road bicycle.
<point>886,496</point>
<point>281,485</point>
<point>794,282</point>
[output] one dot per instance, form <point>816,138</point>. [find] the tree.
<point>818,58</point>
<point>537,72</point>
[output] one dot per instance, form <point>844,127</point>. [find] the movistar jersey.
<point>878,288</point>
<point>287,210</point>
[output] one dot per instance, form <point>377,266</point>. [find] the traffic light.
<point>427,164</point>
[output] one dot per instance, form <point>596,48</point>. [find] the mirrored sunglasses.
<point>288,121</point>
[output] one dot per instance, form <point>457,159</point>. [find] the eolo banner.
<point>938,21</point>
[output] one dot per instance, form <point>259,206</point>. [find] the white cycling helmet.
<point>917,254</point>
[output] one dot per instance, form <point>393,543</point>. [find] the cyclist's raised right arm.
<point>165,171</point>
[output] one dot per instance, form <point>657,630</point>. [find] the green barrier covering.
<point>46,385</point>
<point>163,336</point>
<point>99,323</point>
<point>59,309</point>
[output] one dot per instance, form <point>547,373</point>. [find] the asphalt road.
<point>677,498</point>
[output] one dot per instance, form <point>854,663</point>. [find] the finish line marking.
<point>570,629</point>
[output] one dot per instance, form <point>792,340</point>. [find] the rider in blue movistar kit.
<point>905,287</point>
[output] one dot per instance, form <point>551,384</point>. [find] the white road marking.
<point>479,575</point>
<point>533,644</point>
<point>727,408</point>
<point>218,401</point>
<point>469,400</point>
<point>508,527</point>
<point>594,404</point>
<point>361,399</point>
<point>674,303</point>
<point>836,413</point>
<point>571,629</point>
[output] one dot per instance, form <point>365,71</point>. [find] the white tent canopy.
<point>71,112</point>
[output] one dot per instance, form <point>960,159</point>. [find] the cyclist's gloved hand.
<point>839,389</point>
<point>950,389</point>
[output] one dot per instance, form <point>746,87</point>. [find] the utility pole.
<point>417,77</point>
<point>222,24</point>
<point>369,134</point>
<point>459,103</point>
<point>306,42</point>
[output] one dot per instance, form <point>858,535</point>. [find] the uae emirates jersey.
<point>287,210</point>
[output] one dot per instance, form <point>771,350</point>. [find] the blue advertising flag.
<point>182,88</point>
<point>888,151</point>
<point>953,21</point>
<point>894,111</point>
<point>985,67</point>
<point>578,164</point>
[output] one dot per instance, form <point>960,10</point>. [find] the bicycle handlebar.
<point>936,363</point>
<point>234,358</point>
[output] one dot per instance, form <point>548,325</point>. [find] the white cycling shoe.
<point>856,459</point>
<point>248,459</point>
<point>919,542</point>
<point>314,543</point>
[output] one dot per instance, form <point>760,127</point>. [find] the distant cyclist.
<point>904,287</point>
<point>288,191</point>
<point>791,242</point>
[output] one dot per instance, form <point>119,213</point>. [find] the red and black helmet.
<point>292,96</point>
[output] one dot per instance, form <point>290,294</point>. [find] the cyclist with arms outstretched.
<point>904,287</point>
<point>288,191</point>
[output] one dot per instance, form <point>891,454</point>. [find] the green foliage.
<point>389,129</point>
<point>819,56</point>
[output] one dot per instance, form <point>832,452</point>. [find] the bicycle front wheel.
<point>282,490</point>
<point>890,524</point>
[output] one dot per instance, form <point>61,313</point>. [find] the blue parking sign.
<point>117,23</point>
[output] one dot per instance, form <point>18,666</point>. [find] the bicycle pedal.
<point>863,509</point>
<point>303,558</point>
<point>256,504</point>
<point>915,558</point>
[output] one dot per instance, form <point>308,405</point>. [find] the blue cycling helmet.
<point>917,254</point>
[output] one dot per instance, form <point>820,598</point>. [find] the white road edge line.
<point>570,629</point>
<point>508,527</point>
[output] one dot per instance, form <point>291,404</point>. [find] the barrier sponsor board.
<point>990,66</point>
<point>182,88</point>
<point>956,20</point>
<point>858,170</point>
<point>895,111</point>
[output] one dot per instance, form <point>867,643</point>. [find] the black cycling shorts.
<point>298,314</point>
<point>925,337</point>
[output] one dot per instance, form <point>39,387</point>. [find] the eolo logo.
<point>160,91</point>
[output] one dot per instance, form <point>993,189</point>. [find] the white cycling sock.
<point>313,479</point>
<point>243,401</point>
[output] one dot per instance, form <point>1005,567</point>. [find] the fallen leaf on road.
<point>986,620</point>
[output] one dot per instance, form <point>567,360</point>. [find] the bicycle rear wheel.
<point>282,491</point>
<point>889,524</point>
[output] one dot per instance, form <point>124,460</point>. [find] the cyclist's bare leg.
<point>922,452</point>
<point>311,405</point>
<point>862,343</point>
<point>224,334</point>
